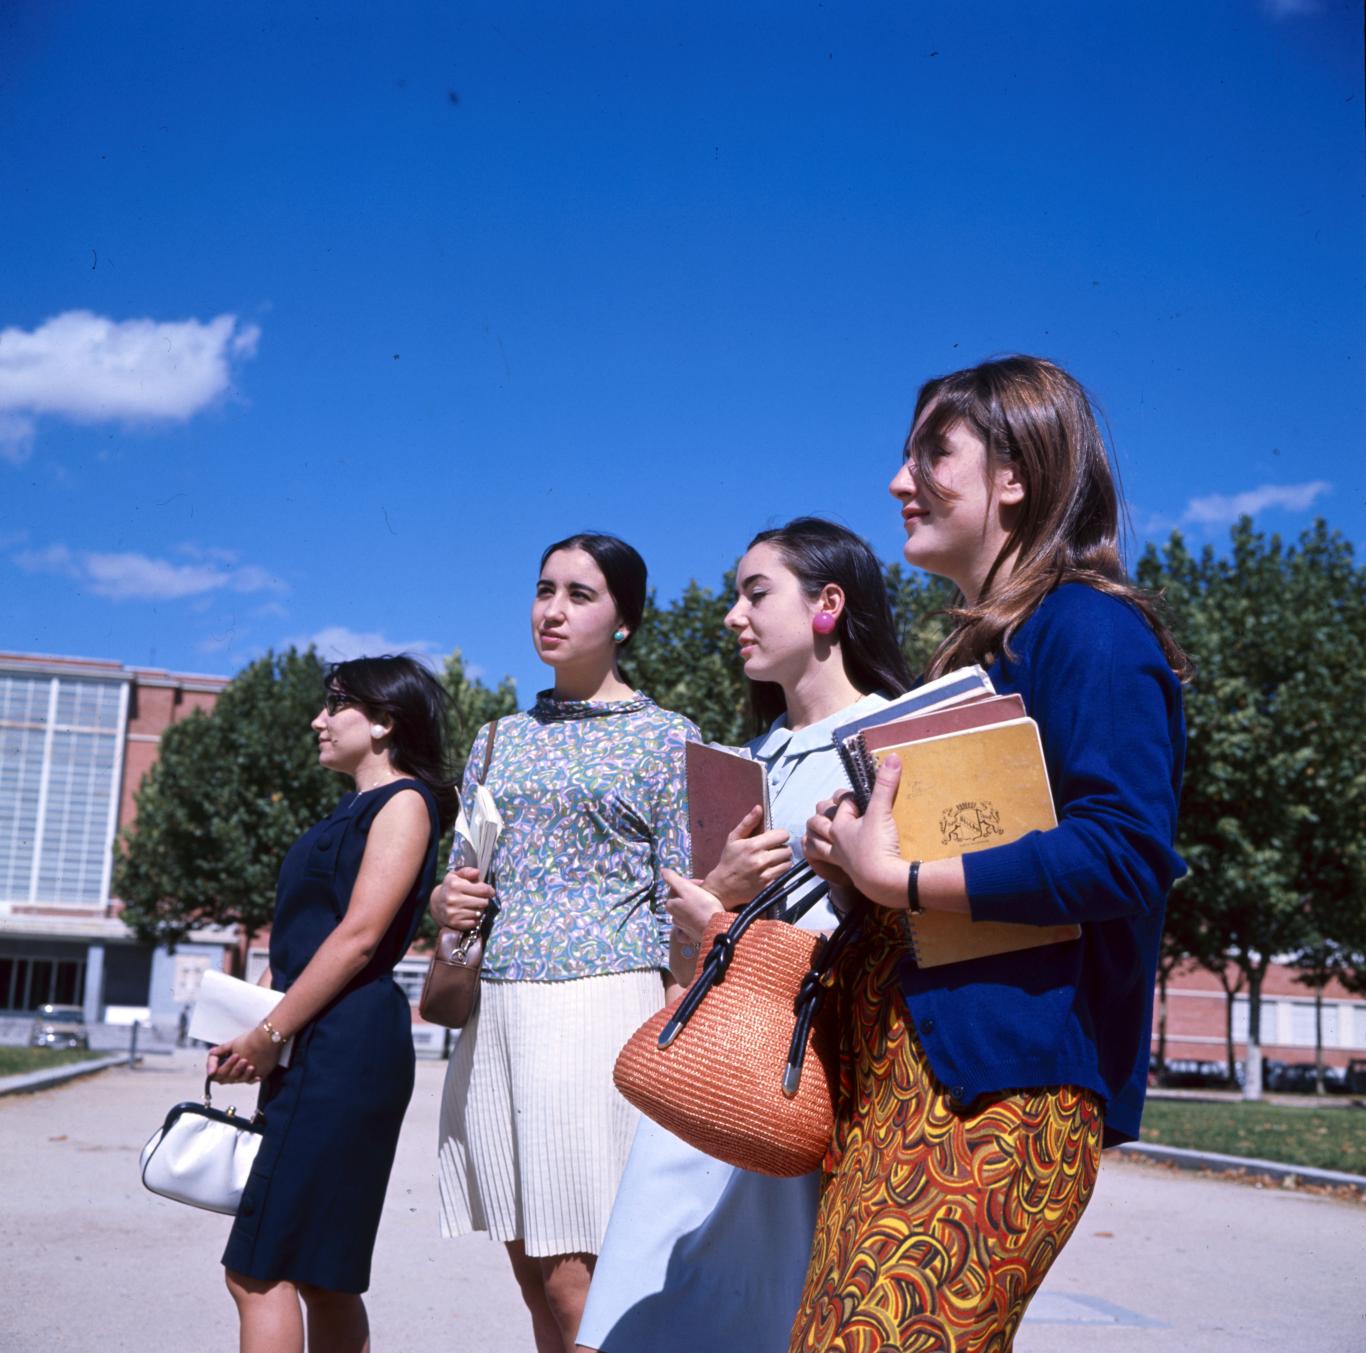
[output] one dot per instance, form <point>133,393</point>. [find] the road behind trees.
<point>93,1263</point>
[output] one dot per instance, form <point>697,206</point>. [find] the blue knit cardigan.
<point>1109,713</point>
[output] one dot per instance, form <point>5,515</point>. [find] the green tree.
<point>920,612</point>
<point>1275,797</point>
<point>230,792</point>
<point>686,660</point>
<point>472,705</point>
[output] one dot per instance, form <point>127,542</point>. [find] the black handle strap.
<point>723,946</point>
<point>812,991</point>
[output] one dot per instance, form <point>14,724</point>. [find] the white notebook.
<point>227,1006</point>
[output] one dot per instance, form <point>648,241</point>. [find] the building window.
<point>60,744</point>
<point>27,983</point>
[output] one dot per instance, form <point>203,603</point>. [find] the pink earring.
<point>823,622</point>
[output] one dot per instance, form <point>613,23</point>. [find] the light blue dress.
<point>699,1254</point>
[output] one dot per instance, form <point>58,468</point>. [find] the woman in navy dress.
<point>350,894</point>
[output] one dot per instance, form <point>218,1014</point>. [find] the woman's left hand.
<point>865,848</point>
<point>248,1058</point>
<point>691,905</point>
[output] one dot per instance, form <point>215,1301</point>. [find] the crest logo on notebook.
<point>967,824</point>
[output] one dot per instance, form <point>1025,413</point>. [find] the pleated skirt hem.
<point>533,1135</point>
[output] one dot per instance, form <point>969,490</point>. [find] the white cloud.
<point>1216,508</point>
<point>91,369</point>
<point>336,643</point>
<point>16,437</point>
<point>128,576</point>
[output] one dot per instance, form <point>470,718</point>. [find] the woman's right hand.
<point>751,858</point>
<point>459,901</point>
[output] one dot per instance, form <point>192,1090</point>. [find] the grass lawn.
<point>1332,1139</point>
<point>16,1061</point>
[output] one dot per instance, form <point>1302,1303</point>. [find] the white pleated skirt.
<point>534,1136</point>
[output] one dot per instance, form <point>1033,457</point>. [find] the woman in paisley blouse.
<point>590,783</point>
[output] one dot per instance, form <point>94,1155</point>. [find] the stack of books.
<point>972,777</point>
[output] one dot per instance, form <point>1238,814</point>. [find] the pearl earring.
<point>823,622</point>
<point>377,730</point>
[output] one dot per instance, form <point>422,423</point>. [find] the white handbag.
<point>201,1155</point>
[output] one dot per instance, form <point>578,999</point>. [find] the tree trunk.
<point>1252,1070</point>
<point>1230,994</point>
<point>1162,1026</point>
<point>1318,1040</point>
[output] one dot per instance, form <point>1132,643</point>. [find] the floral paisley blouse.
<point>594,801</point>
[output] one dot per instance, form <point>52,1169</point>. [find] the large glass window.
<point>27,983</point>
<point>59,760</point>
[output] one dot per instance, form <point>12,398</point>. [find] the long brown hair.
<point>1032,414</point>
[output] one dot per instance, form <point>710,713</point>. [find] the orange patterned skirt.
<point>936,1225</point>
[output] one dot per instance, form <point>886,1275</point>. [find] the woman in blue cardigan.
<point>978,1095</point>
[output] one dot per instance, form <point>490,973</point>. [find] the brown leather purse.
<point>451,989</point>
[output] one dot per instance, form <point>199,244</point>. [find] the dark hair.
<point>404,691</point>
<point>820,552</point>
<point>1032,414</point>
<point>623,568</point>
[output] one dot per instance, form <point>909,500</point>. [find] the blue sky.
<point>319,322</point>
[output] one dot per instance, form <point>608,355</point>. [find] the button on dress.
<point>312,1204</point>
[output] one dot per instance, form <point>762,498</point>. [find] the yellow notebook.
<point>969,791</point>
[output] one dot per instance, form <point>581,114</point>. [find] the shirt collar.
<point>780,740</point>
<point>549,709</point>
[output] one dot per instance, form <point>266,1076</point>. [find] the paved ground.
<point>92,1263</point>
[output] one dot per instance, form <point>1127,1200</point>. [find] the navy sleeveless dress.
<point>311,1206</point>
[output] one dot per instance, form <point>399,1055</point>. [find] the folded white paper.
<point>227,1006</point>
<point>477,827</point>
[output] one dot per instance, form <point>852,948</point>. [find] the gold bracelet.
<point>276,1036</point>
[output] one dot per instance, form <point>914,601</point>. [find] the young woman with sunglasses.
<point>350,897</point>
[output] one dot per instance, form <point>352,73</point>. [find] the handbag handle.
<point>256,1117</point>
<point>488,751</point>
<point>723,946</point>
<point>814,984</point>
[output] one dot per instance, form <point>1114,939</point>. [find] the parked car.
<point>1189,1074</point>
<point>1354,1082</point>
<point>59,1026</point>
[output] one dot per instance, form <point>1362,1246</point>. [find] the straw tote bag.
<point>743,1065</point>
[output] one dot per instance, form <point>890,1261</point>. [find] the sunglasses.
<point>336,700</point>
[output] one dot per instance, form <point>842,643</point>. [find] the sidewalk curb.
<point>41,1080</point>
<point>1250,1165</point>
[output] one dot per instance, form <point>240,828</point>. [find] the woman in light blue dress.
<point>699,1254</point>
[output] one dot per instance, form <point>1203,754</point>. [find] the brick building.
<point>76,737</point>
<point>1197,1014</point>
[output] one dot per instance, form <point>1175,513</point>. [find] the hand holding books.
<point>861,849</point>
<point>464,895</point>
<point>949,769</point>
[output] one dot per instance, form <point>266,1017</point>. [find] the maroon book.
<point>722,787</point>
